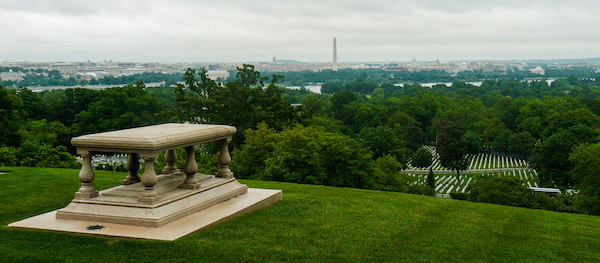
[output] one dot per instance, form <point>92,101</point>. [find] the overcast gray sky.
<point>242,30</point>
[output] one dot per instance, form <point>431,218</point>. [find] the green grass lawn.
<point>312,223</point>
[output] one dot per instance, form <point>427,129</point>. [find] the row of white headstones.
<point>446,183</point>
<point>479,161</point>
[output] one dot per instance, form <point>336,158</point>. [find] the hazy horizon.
<point>241,31</point>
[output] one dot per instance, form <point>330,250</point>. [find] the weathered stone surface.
<point>156,138</point>
<point>121,204</point>
<point>243,204</point>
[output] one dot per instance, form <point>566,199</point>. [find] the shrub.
<point>458,195</point>
<point>121,168</point>
<point>505,190</point>
<point>303,155</point>
<point>387,175</point>
<point>8,156</point>
<point>421,190</point>
<point>508,190</point>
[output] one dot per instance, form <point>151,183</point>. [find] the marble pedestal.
<point>120,204</point>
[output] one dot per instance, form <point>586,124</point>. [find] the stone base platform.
<point>120,204</point>
<point>252,200</point>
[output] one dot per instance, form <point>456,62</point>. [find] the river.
<point>317,88</point>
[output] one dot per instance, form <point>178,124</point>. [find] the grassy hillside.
<point>312,223</point>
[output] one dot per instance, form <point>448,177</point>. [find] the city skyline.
<point>228,31</point>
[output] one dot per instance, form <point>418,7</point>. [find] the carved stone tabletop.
<point>156,138</point>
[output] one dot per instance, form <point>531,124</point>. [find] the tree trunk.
<point>458,177</point>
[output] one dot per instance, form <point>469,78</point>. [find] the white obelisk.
<point>334,56</point>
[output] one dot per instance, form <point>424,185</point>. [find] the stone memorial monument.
<point>168,200</point>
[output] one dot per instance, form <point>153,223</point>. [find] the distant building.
<point>464,67</point>
<point>133,71</point>
<point>11,76</point>
<point>539,71</point>
<point>216,74</point>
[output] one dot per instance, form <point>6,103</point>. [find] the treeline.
<point>45,78</point>
<point>358,138</point>
<point>379,76</point>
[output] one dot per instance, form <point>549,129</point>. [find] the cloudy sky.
<point>242,30</point>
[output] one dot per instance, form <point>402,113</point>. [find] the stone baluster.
<point>86,175</point>
<point>133,165</point>
<point>170,158</point>
<point>224,160</point>
<point>149,180</point>
<point>190,169</point>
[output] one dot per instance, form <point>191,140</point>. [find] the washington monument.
<point>334,56</point>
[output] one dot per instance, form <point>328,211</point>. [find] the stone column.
<point>224,160</point>
<point>190,169</point>
<point>133,165</point>
<point>170,158</point>
<point>149,180</point>
<point>86,175</point>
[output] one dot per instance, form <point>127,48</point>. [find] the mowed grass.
<point>311,224</point>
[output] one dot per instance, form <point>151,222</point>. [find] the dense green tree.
<point>332,87</point>
<point>502,190</point>
<point>532,118</point>
<point>383,141</point>
<point>330,124</point>
<point>360,85</point>
<point>409,128</point>
<point>551,157</point>
<point>370,115</point>
<point>304,155</point>
<point>521,143</point>
<point>473,142</point>
<point>422,158</point>
<point>387,175</point>
<point>570,118</point>
<point>34,107</point>
<point>502,141</point>
<point>314,105</point>
<point>451,145</point>
<point>66,104</point>
<point>8,156</point>
<point>248,161</point>
<point>378,94</point>
<point>422,106</point>
<point>489,130</point>
<point>10,106</point>
<point>507,110</point>
<point>338,102</point>
<point>388,88</point>
<point>431,178</point>
<point>586,171</point>
<point>244,102</point>
<point>40,145</point>
<point>119,108</point>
